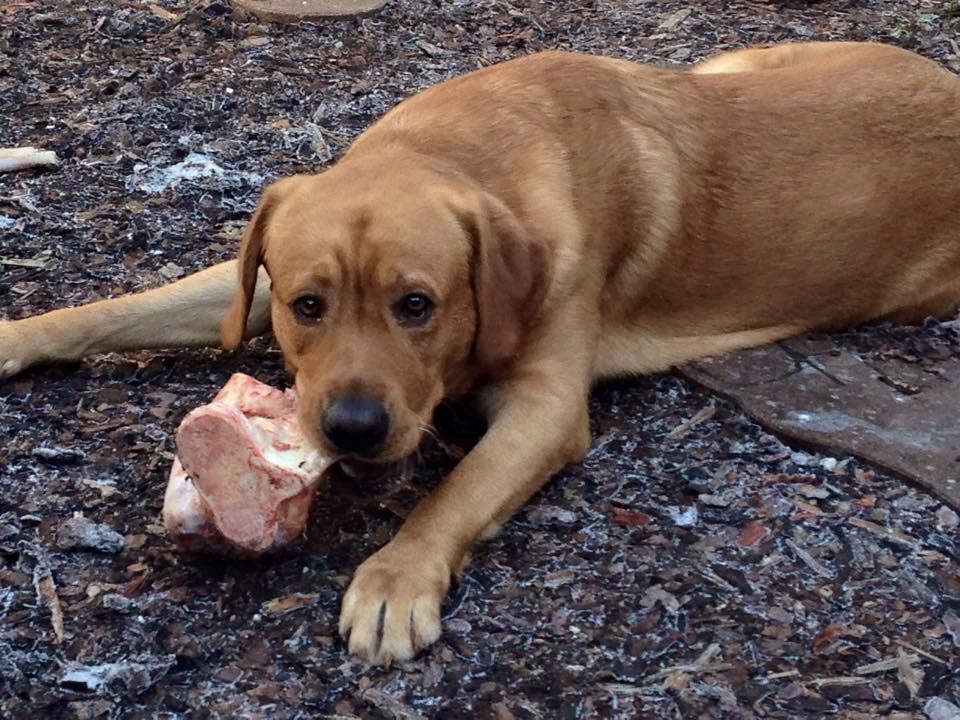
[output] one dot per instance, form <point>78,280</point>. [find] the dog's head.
<point>392,288</point>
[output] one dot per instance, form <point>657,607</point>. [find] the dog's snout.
<point>356,424</point>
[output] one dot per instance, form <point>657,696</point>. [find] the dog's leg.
<point>538,424</point>
<point>779,56</point>
<point>183,314</point>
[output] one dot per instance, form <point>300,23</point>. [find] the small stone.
<point>812,491</point>
<point>947,519</point>
<point>58,455</point>
<point>543,514</point>
<point>684,517</point>
<point>656,594</point>
<point>780,615</point>
<point>81,532</point>
<point>458,626</point>
<point>118,603</point>
<point>171,271</point>
<point>561,577</point>
<point>940,709</point>
<point>674,20</point>
<point>952,622</point>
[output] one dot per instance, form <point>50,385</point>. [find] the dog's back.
<point>847,158</point>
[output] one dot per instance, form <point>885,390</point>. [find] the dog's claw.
<point>392,608</point>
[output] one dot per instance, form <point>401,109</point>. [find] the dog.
<point>532,227</point>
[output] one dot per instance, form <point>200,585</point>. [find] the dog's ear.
<point>234,323</point>
<point>510,274</point>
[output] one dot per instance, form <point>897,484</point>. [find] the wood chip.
<point>288,603</point>
<point>825,637</point>
<point>888,533</point>
<point>909,675</point>
<point>924,653</point>
<point>47,595</point>
<point>702,415</point>
<point>839,680</point>
<point>810,561</point>
<point>808,507</point>
<point>23,262</point>
<point>632,518</point>
<point>781,675</point>
<point>703,664</point>
<point>389,705</point>
<point>882,665</point>
<point>161,12</point>
<point>753,534</point>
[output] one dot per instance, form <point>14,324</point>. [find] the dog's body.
<point>534,226</point>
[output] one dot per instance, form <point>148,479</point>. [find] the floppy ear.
<point>511,274</point>
<point>234,323</point>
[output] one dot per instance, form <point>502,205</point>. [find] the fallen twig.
<point>882,665</point>
<point>24,262</point>
<point>780,675</point>
<point>924,653</point>
<point>840,680</point>
<point>701,415</point>
<point>703,664</point>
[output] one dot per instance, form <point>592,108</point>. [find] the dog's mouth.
<point>365,469</point>
<point>366,480</point>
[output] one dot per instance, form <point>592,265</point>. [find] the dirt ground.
<point>693,566</point>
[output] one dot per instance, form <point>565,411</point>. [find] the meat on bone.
<point>244,476</point>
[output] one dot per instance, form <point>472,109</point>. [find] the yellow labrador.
<point>531,227</point>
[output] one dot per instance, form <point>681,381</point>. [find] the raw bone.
<point>244,475</point>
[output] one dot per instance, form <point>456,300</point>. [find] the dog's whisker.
<point>406,469</point>
<point>451,451</point>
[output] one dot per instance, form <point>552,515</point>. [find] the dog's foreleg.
<point>186,313</point>
<point>539,424</point>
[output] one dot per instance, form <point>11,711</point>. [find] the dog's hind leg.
<point>186,313</point>
<point>781,56</point>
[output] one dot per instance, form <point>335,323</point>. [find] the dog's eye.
<point>413,309</point>
<point>309,307</point>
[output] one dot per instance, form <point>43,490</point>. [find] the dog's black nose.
<point>356,424</point>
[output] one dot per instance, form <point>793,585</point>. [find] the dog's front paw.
<point>16,348</point>
<point>392,608</point>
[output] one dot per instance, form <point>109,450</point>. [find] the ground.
<point>693,566</point>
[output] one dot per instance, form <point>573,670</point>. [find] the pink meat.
<point>244,475</point>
